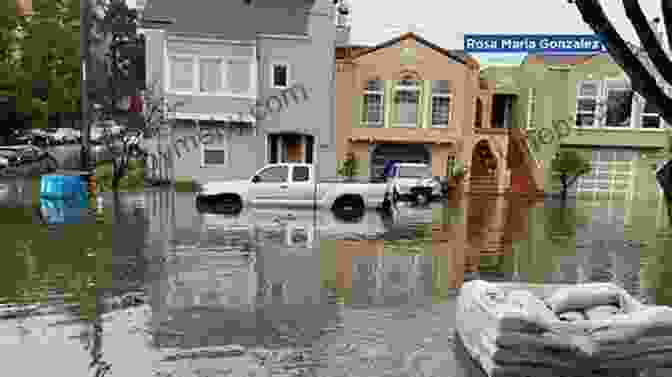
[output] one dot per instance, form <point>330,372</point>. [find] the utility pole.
<point>85,29</point>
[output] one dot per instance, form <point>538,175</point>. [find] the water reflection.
<point>302,282</point>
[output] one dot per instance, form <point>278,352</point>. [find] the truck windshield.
<point>414,172</point>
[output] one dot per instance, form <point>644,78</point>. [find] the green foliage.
<point>570,165</point>
<point>186,185</point>
<point>133,180</point>
<point>458,169</point>
<point>40,50</point>
<point>563,222</point>
<point>349,167</point>
<point>122,55</point>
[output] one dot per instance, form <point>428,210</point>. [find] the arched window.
<point>373,111</point>
<point>478,119</point>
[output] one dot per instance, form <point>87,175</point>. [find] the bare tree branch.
<point>642,80</point>
<point>666,7</point>
<point>649,39</point>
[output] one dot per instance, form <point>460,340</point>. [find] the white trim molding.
<point>223,92</point>
<point>214,148</point>
<point>179,38</point>
<point>272,74</point>
<point>221,117</point>
<point>285,36</point>
<point>169,74</point>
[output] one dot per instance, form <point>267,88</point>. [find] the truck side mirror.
<point>255,179</point>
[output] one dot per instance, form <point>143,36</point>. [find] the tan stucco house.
<point>410,100</point>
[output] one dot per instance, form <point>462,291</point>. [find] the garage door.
<point>611,176</point>
<point>412,153</point>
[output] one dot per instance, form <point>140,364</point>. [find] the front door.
<point>272,186</point>
<point>294,152</point>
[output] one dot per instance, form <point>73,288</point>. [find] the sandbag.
<point>539,371</point>
<point>602,312</point>
<point>650,360</point>
<point>506,356</point>
<point>643,346</point>
<point>571,316</point>
<point>655,321</point>
<point>583,296</point>
<point>544,342</point>
<point>532,305</point>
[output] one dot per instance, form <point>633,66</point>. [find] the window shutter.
<point>388,102</point>
<point>394,109</point>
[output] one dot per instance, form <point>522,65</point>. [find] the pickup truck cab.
<point>294,185</point>
<point>410,181</point>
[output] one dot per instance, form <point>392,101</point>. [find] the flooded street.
<point>150,286</point>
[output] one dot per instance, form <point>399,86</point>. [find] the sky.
<point>375,21</point>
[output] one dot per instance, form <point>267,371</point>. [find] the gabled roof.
<point>231,19</point>
<point>458,55</point>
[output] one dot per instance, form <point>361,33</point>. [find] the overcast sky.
<point>375,21</point>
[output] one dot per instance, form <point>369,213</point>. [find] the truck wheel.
<point>231,205</point>
<point>395,196</point>
<point>349,207</point>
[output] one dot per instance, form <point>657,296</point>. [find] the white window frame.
<point>399,88</point>
<point>169,74</point>
<point>437,94</point>
<point>532,108</point>
<point>203,147</point>
<point>380,93</point>
<point>252,90</point>
<point>661,124</point>
<point>596,98</point>
<point>225,92</point>
<point>222,80</point>
<point>605,96</point>
<point>271,75</point>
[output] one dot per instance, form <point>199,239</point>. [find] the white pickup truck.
<point>293,185</point>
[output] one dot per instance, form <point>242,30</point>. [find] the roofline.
<point>158,22</point>
<point>589,57</point>
<point>417,38</point>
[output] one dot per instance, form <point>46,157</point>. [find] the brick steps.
<point>483,185</point>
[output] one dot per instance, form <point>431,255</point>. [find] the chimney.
<point>342,23</point>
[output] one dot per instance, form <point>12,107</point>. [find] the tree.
<point>570,165</point>
<point>643,80</point>
<point>122,53</point>
<point>49,55</point>
<point>156,112</point>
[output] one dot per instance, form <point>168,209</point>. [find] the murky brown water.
<point>151,287</point>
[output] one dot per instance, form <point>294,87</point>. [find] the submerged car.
<point>8,158</point>
<point>411,181</point>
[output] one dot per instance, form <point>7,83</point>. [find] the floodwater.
<point>148,286</point>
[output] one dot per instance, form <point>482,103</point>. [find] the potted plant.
<point>456,174</point>
<point>349,168</point>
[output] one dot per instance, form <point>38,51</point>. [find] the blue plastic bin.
<point>64,185</point>
<point>64,211</point>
